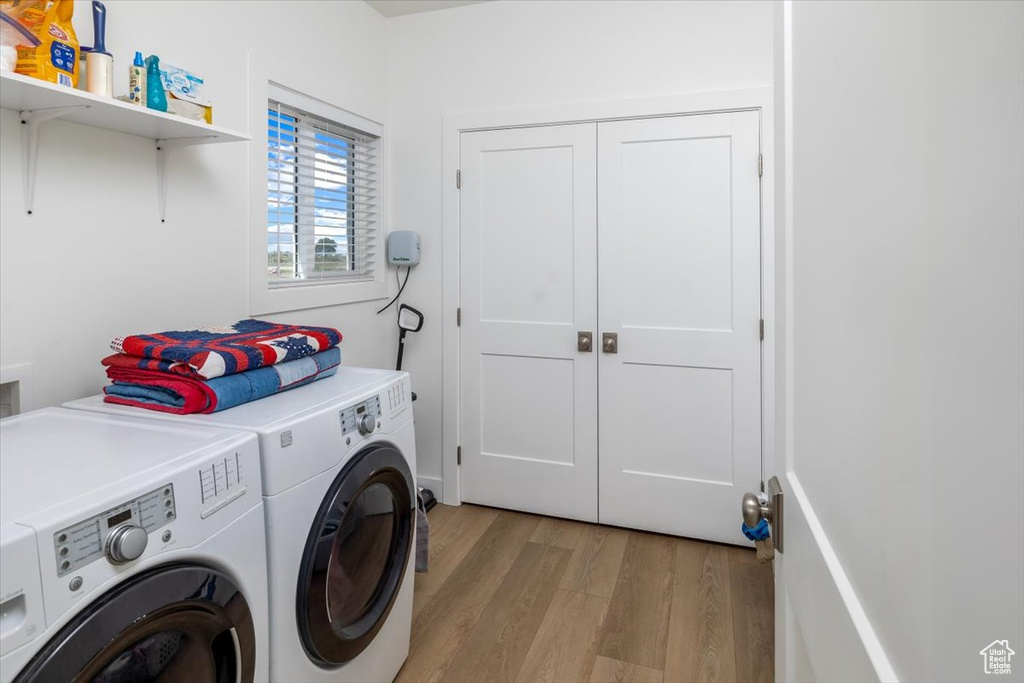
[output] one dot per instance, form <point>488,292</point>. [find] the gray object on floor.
<point>422,536</point>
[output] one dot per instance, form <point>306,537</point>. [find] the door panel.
<point>679,262</point>
<point>526,240</point>
<point>529,259</point>
<point>685,405</point>
<point>509,384</point>
<point>678,236</point>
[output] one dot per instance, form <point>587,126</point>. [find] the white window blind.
<point>323,203</point>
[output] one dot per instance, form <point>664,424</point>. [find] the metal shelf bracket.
<point>162,148</point>
<point>30,121</point>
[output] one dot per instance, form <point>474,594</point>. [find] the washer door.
<point>356,555</point>
<point>172,623</point>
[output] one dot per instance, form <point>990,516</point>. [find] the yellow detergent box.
<point>185,96</point>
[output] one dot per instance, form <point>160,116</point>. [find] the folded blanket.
<point>180,394</point>
<point>209,352</point>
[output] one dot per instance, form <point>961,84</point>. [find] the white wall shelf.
<point>39,101</point>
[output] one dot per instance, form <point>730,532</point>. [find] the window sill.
<point>265,299</point>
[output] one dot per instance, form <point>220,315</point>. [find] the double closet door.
<point>645,235</point>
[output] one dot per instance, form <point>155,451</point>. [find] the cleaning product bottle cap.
<point>138,59</point>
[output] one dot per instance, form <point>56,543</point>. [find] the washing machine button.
<point>126,543</point>
<point>366,424</point>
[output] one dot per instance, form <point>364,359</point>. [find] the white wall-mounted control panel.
<point>403,248</point>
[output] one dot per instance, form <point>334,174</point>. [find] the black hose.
<point>400,290</point>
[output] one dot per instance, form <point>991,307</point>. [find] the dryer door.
<point>356,555</point>
<point>172,623</point>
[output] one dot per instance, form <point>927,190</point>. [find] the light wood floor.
<point>517,597</point>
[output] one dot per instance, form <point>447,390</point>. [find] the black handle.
<point>401,348</point>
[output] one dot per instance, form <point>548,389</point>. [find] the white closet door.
<point>679,264</point>
<point>529,276</point>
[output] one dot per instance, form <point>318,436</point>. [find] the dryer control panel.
<point>351,416</point>
<point>85,541</point>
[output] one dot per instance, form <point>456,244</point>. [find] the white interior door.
<point>529,260</point>
<point>903,429</point>
<point>680,284</point>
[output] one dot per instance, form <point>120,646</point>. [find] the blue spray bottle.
<point>137,81</point>
<point>156,98</point>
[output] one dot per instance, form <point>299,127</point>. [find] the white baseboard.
<point>435,484</point>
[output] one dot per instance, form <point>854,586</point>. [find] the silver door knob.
<point>584,341</point>
<point>753,511</point>
<point>610,342</point>
<point>366,424</point>
<point>126,543</point>
<point>772,511</point>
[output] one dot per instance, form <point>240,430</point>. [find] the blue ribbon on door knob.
<point>759,532</point>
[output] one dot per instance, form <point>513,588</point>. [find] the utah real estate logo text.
<point>997,657</point>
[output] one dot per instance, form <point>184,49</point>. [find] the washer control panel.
<point>79,544</point>
<point>353,418</point>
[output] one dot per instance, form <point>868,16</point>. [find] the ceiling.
<point>394,8</point>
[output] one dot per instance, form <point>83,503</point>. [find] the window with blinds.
<point>322,199</point>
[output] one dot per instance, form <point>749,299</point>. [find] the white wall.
<point>94,261</point>
<point>908,316</point>
<point>507,55</point>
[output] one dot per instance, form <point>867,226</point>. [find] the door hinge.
<point>760,328</point>
<point>458,179</point>
<point>458,455</point>
<point>458,317</point>
<point>760,165</point>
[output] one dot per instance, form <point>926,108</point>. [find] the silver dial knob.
<point>126,543</point>
<point>366,424</point>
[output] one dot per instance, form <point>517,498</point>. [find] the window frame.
<point>265,297</point>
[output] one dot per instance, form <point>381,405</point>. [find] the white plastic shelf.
<point>40,101</point>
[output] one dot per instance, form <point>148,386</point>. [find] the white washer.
<point>339,473</point>
<point>130,550</point>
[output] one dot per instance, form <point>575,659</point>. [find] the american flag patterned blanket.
<point>209,352</point>
<point>171,392</point>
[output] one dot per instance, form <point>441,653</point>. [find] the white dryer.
<point>339,473</point>
<point>130,550</point>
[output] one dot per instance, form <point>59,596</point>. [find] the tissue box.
<point>185,95</point>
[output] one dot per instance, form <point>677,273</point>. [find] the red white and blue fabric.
<point>181,394</point>
<point>210,352</point>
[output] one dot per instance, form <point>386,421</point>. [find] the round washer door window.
<point>356,555</point>
<point>172,623</point>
